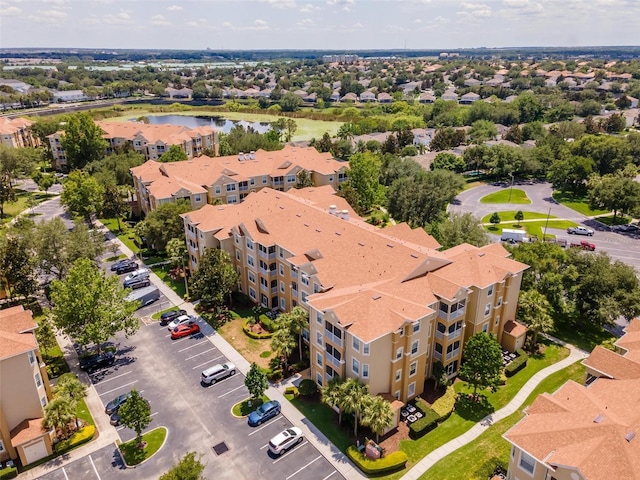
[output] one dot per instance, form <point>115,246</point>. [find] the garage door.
<point>35,452</point>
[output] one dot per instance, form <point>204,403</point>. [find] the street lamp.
<point>511,188</point>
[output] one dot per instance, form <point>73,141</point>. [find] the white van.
<point>217,372</point>
<point>140,273</point>
<point>285,440</point>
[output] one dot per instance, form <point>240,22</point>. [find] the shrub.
<point>249,333</point>
<point>517,364</point>
<point>81,436</point>
<point>388,463</point>
<point>307,388</point>
<point>445,404</point>
<point>268,324</point>
<point>491,467</point>
<point>9,472</point>
<point>292,391</point>
<point>427,423</point>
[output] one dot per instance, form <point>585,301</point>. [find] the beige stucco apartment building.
<point>384,304</point>
<point>24,389</point>
<point>16,133</point>
<point>230,179</point>
<point>149,140</point>
<point>585,432</point>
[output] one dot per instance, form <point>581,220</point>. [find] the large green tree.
<point>82,195</point>
<point>614,192</point>
<point>533,310</point>
<point>82,140</point>
<point>297,320</point>
<point>214,279</point>
<point>188,468</point>
<point>135,413</point>
<point>174,154</point>
<point>461,228</point>
<point>377,415</point>
<point>114,204</point>
<point>353,395</point>
<point>364,173</point>
<point>482,365</point>
<point>59,415</point>
<point>256,381</point>
<point>17,264</point>
<point>91,307</point>
<point>163,224</point>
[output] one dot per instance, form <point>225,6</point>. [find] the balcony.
<point>453,354</point>
<point>448,336</point>
<point>453,315</point>
<point>335,339</point>
<point>334,361</point>
<point>437,355</point>
<point>294,274</point>
<point>294,293</point>
<point>274,289</point>
<point>278,183</point>
<point>243,188</point>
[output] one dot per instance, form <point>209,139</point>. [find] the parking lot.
<point>167,373</point>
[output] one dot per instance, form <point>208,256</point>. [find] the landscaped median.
<point>244,408</point>
<point>153,440</point>
<point>377,466</point>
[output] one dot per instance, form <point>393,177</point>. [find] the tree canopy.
<point>82,140</point>
<point>174,154</point>
<point>214,279</point>
<point>482,365</point>
<point>163,224</point>
<point>82,195</point>
<point>460,228</point>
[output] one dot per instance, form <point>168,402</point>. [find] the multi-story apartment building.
<point>585,432</point>
<point>230,179</point>
<point>24,389</point>
<point>16,133</point>
<point>384,304</point>
<point>149,140</point>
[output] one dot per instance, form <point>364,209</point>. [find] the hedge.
<point>428,422</point>
<point>291,391</point>
<point>389,463</point>
<point>9,472</point>
<point>517,364</point>
<point>249,333</point>
<point>445,404</point>
<point>81,436</point>
<point>268,324</point>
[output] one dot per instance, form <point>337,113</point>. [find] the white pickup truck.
<point>580,231</point>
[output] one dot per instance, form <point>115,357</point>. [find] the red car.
<point>184,330</point>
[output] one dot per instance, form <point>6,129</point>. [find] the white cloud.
<point>516,8</point>
<point>345,4</point>
<point>308,8</point>
<point>120,18</point>
<point>9,11</point>
<point>260,24</point>
<point>417,20</point>
<point>159,20</point>
<point>306,22</point>
<point>227,25</point>
<point>474,10</point>
<point>280,3</point>
<point>174,8</point>
<point>48,16</point>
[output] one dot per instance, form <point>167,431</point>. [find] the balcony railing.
<point>453,354</point>
<point>453,315</point>
<point>437,355</point>
<point>294,274</point>
<point>294,293</point>
<point>448,336</point>
<point>274,289</point>
<point>334,361</point>
<point>335,339</point>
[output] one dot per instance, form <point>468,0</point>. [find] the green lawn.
<point>325,419</point>
<point>245,407</point>
<point>577,203</point>
<point>307,129</point>
<point>617,220</point>
<point>83,413</point>
<point>176,285</point>
<point>133,455</point>
<point>508,216</point>
<point>53,357</point>
<point>472,460</point>
<point>14,208</point>
<point>125,234</point>
<point>514,195</point>
<point>585,337</point>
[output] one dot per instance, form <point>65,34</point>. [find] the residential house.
<point>585,432</point>
<point>426,97</point>
<point>68,96</point>
<point>367,96</point>
<point>384,97</point>
<point>450,95</point>
<point>496,81</point>
<point>17,133</point>
<point>349,97</point>
<point>384,304</point>
<point>469,98</point>
<point>422,136</point>
<point>335,96</point>
<point>184,92</point>
<point>24,389</point>
<point>231,178</point>
<point>16,85</point>
<point>472,82</point>
<point>147,139</point>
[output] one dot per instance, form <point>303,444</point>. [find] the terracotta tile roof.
<point>16,331</point>
<point>26,430</point>
<point>514,328</point>
<point>153,133</point>
<point>13,125</point>
<point>586,428</point>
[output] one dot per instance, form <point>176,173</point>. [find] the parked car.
<point>584,245</point>
<point>113,406</point>
<point>579,230</point>
<point>285,440</point>
<point>144,296</point>
<point>217,372</point>
<point>184,330</point>
<point>115,265</point>
<point>114,419</point>
<point>126,267</point>
<point>181,320</point>
<point>137,282</point>
<point>264,412</point>
<point>94,362</point>
<point>170,316</point>
<point>141,272</point>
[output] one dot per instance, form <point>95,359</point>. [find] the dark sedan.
<point>126,267</point>
<point>114,405</point>
<point>264,412</point>
<point>121,263</point>
<point>94,362</point>
<point>171,315</point>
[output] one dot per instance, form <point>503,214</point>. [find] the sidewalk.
<point>427,462</point>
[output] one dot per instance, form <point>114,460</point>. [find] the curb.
<point>124,462</point>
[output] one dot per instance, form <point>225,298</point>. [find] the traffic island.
<point>134,454</point>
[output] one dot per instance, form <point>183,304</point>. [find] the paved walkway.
<point>427,462</point>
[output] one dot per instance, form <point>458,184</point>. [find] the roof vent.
<point>377,297</point>
<point>240,156</point>
<point>390,245</point>
<point>252,155</point>
<point>598,419</point>
<point>414,255</point>
<point>338,233</point>
<point>318,230</point>
<point>344,214</point>
<point>306,224</point>
<point>361,244</point>
<point>630,436</point>
<point>333,209</point>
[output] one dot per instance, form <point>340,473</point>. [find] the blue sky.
<point>321,24</point>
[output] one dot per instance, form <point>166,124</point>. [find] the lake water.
<point>219,123</point>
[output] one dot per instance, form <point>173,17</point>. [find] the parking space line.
<point>212,360</point>
<point>118,388</point>
<point>65,473</point>
<point>325,478</point>
<point>231,391</point>
<point>264,446</point>
<point>286,454</point>
<point>201,353</point>
<point>194,345</point>
<point>302,468</point>
<point>175,342</point>
<point>260,428</point>
<point>113,378</point>
<point>94,467</point>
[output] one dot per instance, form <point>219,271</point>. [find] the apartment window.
<point>252,277</point>
<point>490,292</point>
<point>365,370</point>
<point>218,189</point>
<point>414,347</point>
<point>499,301</point>
<point>399,353</point>
<point>438,348</point>
<point>398,375</point>
<point>231,187</point>
<point>283,304</point>
<point>513,451</point>
<point>412,369</point>
<point>38,380</point>
<point>304,279</point>
<point>319,358</point>
<point>397,395</point>
<point>281,287</point>
<point>232,199</point>
<point>32,357</point>
<point>444,308</point>
<point>250,261</point>
<point>441,327</point>
<point>237,254</point>
<point>282,270</point>
<point>249,244</point>
<point>1,446</point>
<point>356,344</point>
<point>304,297</point>
<point>318,338</point>
<point>365,348</point>
<point>291,178</point>
<point>485,327</point>
<point>237,238</point>
<point>43,401</point>
<point>319,379</point>
<point>497,320</point>
<point>355,366</point>
<point>487,309</point>
<point>331,178</point>
<point>319,318</point>
<point>316,287</point>
<point>252,181</point>
<point>281,252</point>
<point>416,327</point>
<point>252,293</point>
<point>264,180</point>
<point>198,198</point>
<point>527,463</point>
<point>411,390</point>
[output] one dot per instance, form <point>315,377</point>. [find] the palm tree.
<point>352,399</point>
<point>297,320</point>
<point>58,414</point>
<point>332,394</point>
<point>69,386</point>
<point>283,343</point>
<point>533,309</point>
<point>377,415</point>
<point>346,131</point>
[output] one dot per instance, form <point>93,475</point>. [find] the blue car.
<point>264,412</point>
